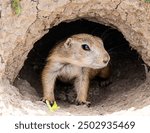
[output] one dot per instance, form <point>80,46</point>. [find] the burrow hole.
<point>126,65</point>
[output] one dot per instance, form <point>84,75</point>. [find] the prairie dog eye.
<point>85,47</point>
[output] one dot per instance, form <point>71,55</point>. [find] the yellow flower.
<point>52,108</point>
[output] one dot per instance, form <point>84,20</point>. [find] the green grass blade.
<point>16,6</point>
<point>147,0</point>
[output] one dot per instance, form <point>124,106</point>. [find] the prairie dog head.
<point>86,51</point>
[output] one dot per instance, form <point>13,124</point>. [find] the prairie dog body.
<point>80,57</point>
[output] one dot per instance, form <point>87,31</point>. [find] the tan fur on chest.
<point>68,72</point>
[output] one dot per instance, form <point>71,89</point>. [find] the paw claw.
<point>50,102</point>
<point>88,104</point>
<point>105,83</point>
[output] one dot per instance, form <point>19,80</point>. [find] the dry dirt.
<point>129,92</point>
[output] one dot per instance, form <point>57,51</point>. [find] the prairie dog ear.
<point>67,44</point>
<point>99,40</point>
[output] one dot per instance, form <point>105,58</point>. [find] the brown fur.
<point>69,61</point>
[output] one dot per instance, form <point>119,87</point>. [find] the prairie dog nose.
<point>106,59</point>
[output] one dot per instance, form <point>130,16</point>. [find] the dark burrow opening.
<point>127,67</point>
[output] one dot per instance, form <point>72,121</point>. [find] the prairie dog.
<point>80,57</point>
